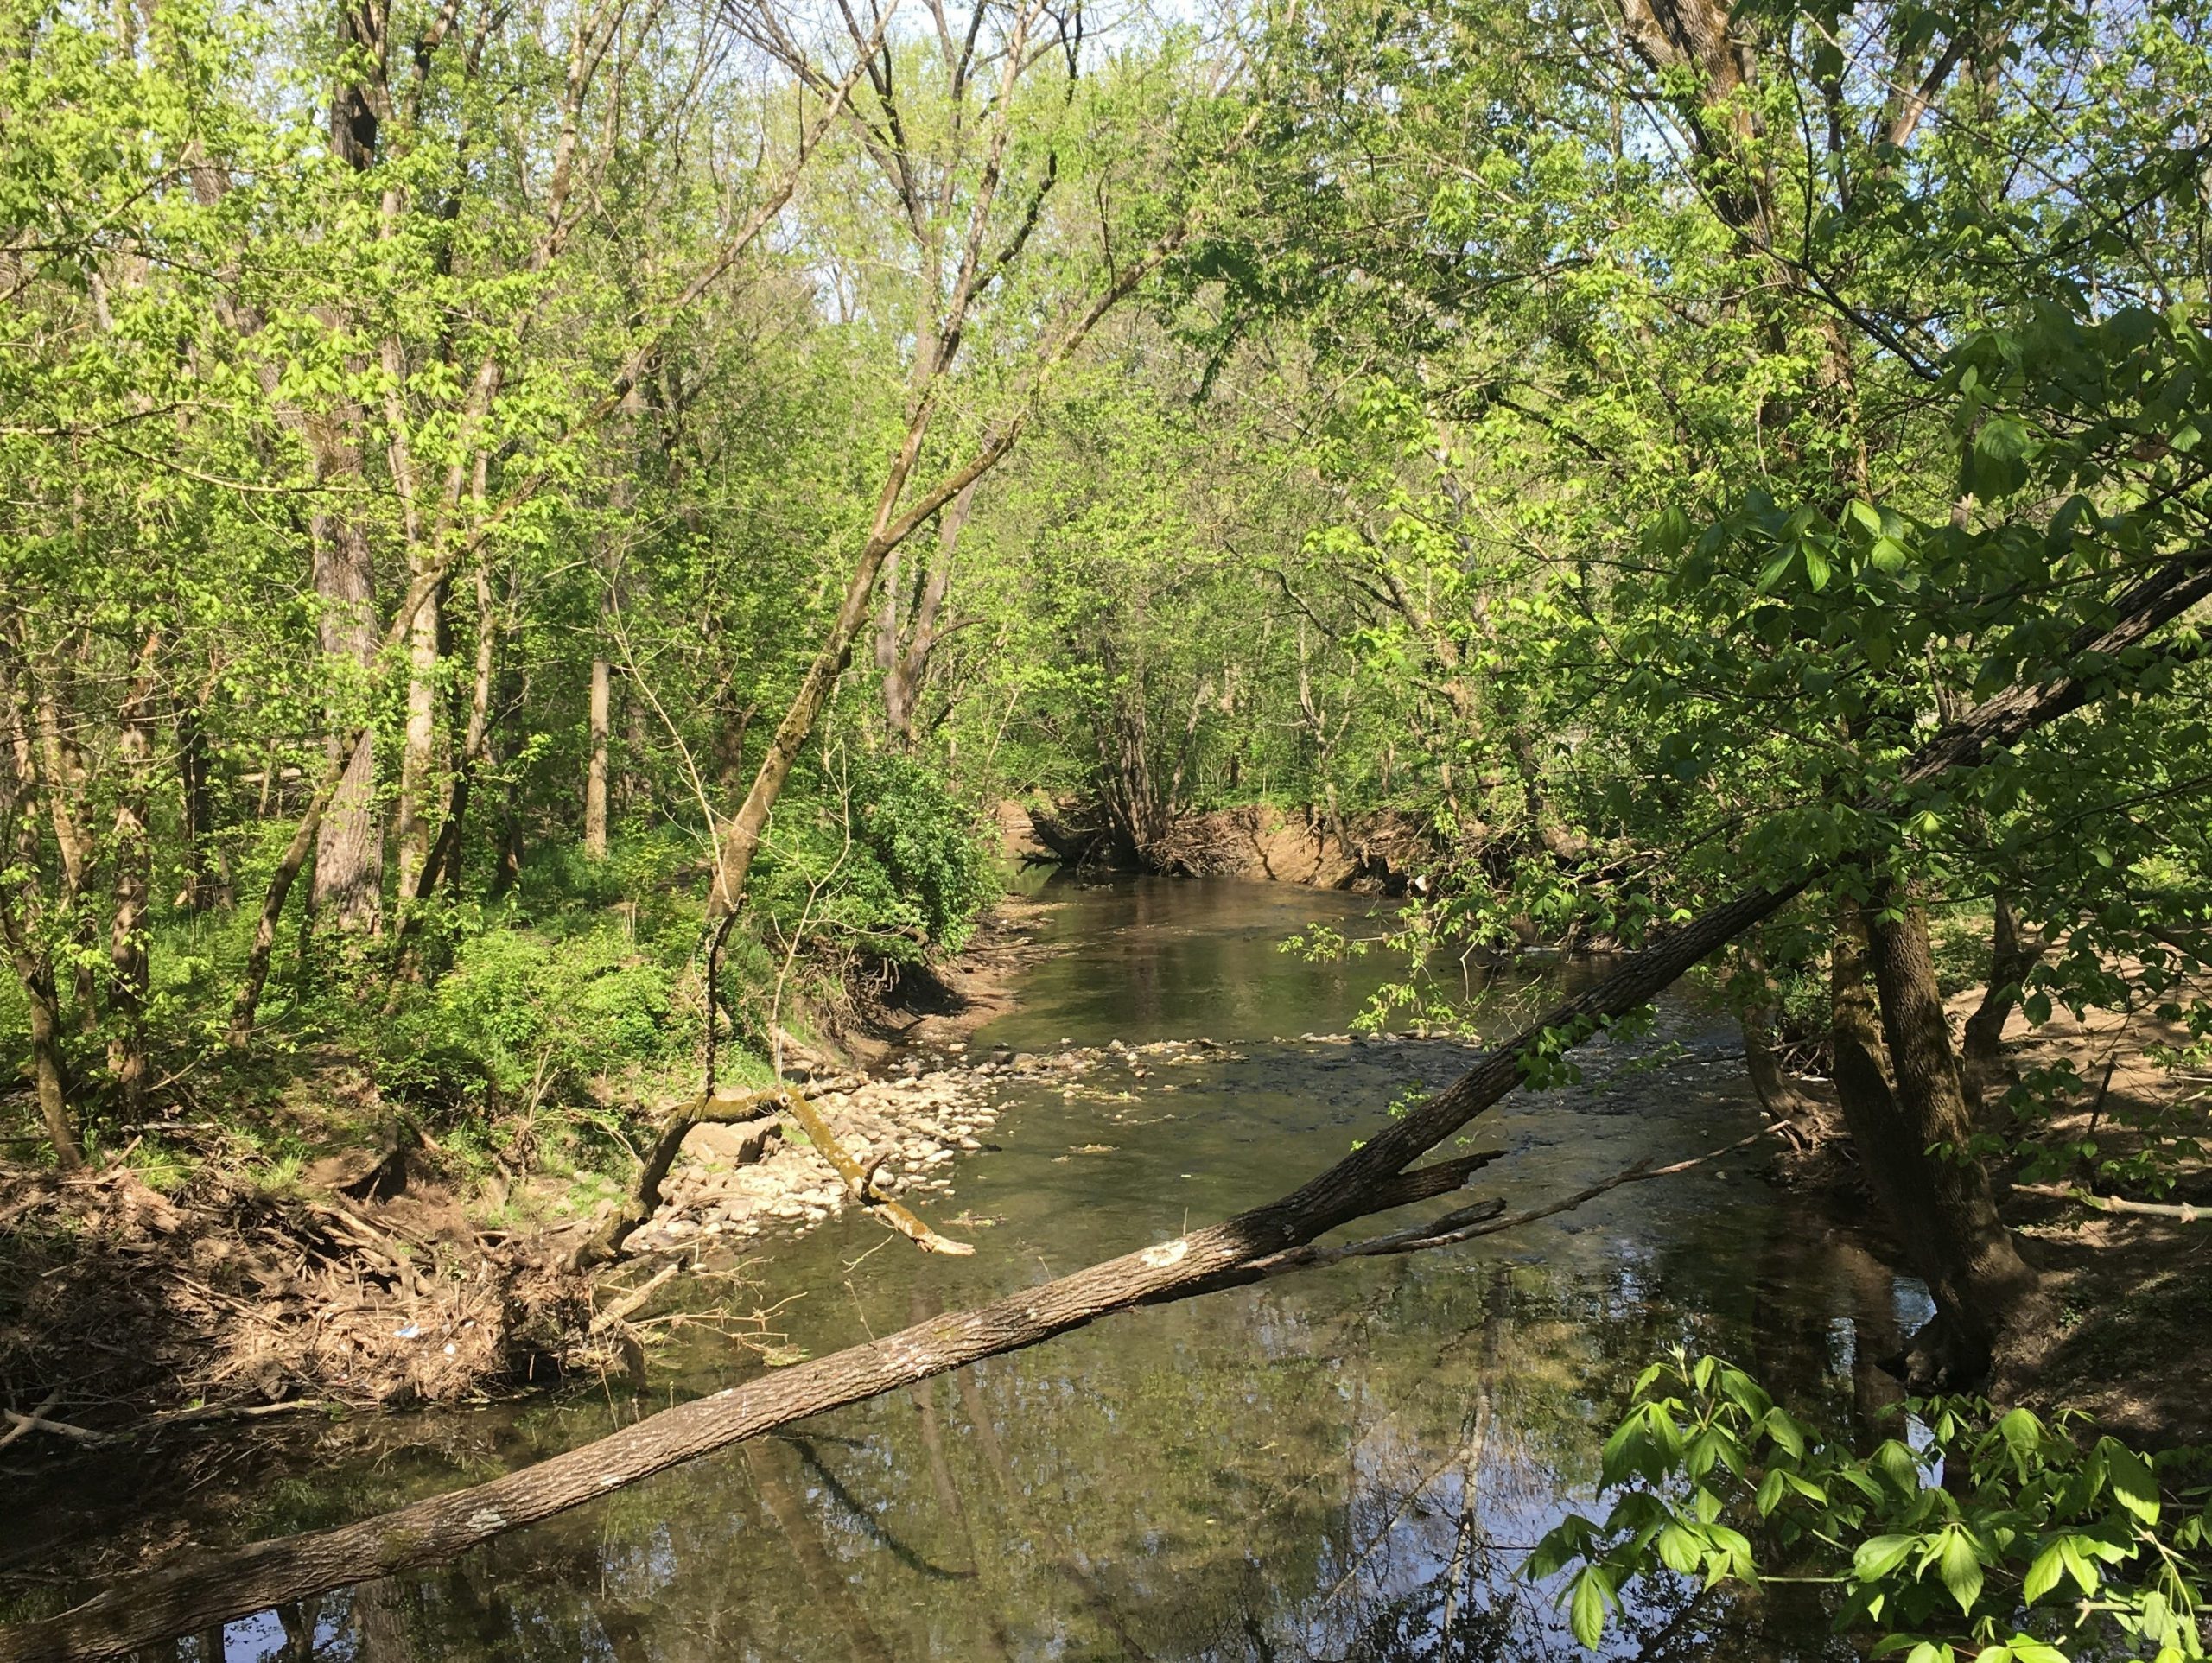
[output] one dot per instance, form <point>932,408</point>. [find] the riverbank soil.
<point>2132,1345</point>
<point>201,1279</point>
<point>1377,852</point>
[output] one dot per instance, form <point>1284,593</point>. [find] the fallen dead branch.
<point>1378,1176</point>
<point>604,1246</point>
<point>18,1424</point>
<point>859,1180</point>
<point>2176,1210</point>
<point>630,1301</point>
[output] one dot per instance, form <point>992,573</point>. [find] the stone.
<point>740,1144</point>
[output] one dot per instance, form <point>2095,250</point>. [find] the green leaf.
<point>2022,1431</point>
<point>1732,1555</point>
<point>1878,1555</point>
<point>2042,1576</point>
<point>1586,1614</point>
<point>1959,1568</point>
<point>2079,1566</point>
<point>1770,1491</point>
<point>1785,1433</point>
<point>2132,1481</point>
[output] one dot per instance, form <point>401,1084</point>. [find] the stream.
<point>1344,1464</point>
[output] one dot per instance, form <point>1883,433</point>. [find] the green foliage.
<point>1964,1534</point>
<point>533,1015</point>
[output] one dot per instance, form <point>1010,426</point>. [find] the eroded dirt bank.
<point>1379,851</point>
<point>382,1274</point>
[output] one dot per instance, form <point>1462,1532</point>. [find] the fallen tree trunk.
<point>1375,1176</point>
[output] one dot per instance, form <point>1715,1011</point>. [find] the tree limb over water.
<point>1378,1176</point>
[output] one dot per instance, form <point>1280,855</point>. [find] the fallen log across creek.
<point>1376,1176</point>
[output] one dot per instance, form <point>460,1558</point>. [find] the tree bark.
<point>412,830</point>
<point>132,858</point>
<point>45,1014</point>
<point>1898,1084</point>
<point>905,645</point>
<point>348,890</point>
<point>207,871</point>
<point>596,768</point>
<point>254,977</point>
<point>1981,1051</point>
<point>1785,1102</point>
<point>61,770</point>
<point>20,914</point>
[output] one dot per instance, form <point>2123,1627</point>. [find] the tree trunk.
<point>508,872</point>
<point>443,862</point>
<point>19,918</point>
<point>1981,1051</point>
<point>45,1012</point>
<point>62,770</point>
<point>904,646</point>
<point>206,872</point>
<point>254,977</point>
<point>418,752</point>
<point>348,890</point>
<point>1898,1084</point>
<point>132,856</point>
<point>1784,1100</point>
<point>596,768</point>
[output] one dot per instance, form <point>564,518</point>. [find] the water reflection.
<point>1347,1466</point>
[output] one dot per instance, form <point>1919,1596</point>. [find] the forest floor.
<point>378,1269</point>
<point>2131,1346</point>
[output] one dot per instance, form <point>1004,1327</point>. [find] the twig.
<point>27,1422</point>
<point>630,1301</point>
<point>22,1423</point>
<point>1465,1223</point>
<point>2179,1210</point>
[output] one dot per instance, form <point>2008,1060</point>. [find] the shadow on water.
<point>1349,1465</point>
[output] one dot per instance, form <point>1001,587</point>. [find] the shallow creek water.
<point>1344,1464</point>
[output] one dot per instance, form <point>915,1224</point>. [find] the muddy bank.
<point>123,1308</point>
<point>1380,852</point>
<point>2131,1347</point>
<point>377,1273</point>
